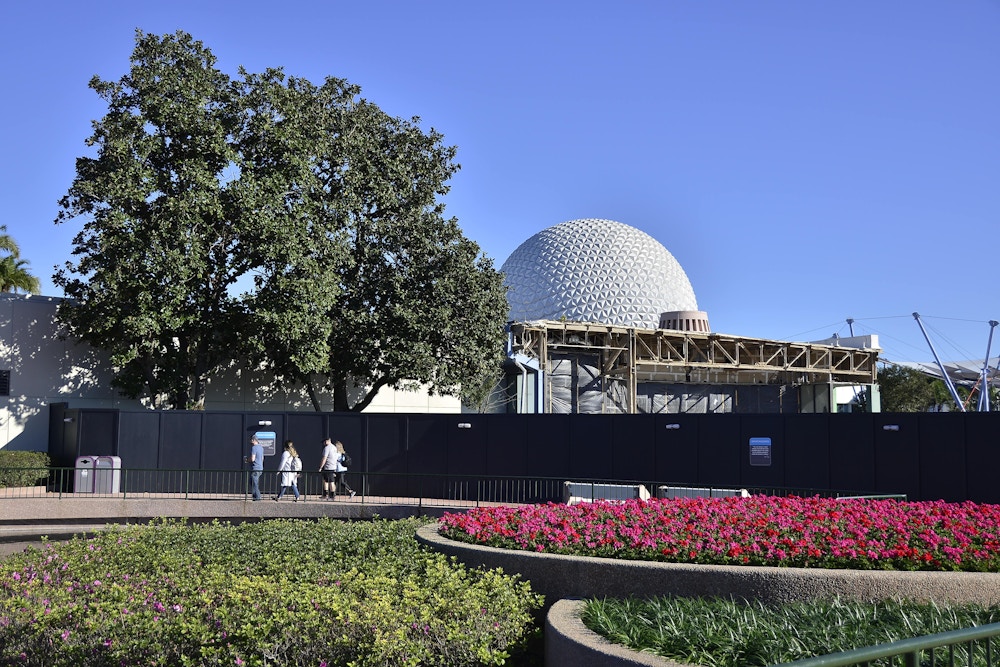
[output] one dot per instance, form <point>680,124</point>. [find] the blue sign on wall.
<point>266,440</point>
<point>760,451</point>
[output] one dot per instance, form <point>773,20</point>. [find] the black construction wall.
<point>806,446</point>
<point>929,456</point>
<point>982,451</point>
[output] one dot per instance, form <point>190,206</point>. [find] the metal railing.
<point>374,487</point>
<point>398,488</point>
<point>972,647</point>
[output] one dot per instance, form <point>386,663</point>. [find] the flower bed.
<point>933,552</point>
<point>761,530</point>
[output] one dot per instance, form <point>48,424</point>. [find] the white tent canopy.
<point>965,372</point>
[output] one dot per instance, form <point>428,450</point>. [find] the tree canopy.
<point>315,203</point>
<point>904,389</point>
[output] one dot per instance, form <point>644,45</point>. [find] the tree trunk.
<point>311,390</point>
<point>200,390</point>
<point>340,396</point>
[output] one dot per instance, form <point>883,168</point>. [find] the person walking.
<point>328,466</point>
<point>343,461</point>
<point>288,471</point>
<point>256,461</point>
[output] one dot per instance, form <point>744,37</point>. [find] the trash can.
<point>107,474</point>
<point>83,480</point>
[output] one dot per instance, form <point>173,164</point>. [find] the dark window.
<point>4,383</point>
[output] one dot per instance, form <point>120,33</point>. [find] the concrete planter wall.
<point>569,642</point>
<point>558,577</point>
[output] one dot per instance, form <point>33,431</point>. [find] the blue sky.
<point>806,162</point>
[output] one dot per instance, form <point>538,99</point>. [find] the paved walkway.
<point>24,521</point>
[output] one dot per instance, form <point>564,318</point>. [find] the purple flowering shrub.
<point>760,530</point>
<point>271,593</point>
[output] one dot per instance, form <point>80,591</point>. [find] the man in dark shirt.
<point>256,460</point>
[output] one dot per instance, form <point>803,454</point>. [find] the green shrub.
<point>19,468</point>
<point>270,593</point>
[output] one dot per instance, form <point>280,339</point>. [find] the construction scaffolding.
<point>629,370</point>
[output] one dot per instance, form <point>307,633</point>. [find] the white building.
<point>38,368</point>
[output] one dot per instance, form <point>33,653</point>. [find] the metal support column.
<point>947,379</point>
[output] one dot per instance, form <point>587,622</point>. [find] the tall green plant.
<point>721,632</point>
<point>14,274</point>
<point>15,277</point>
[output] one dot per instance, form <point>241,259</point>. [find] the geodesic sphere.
<point>594,270</point>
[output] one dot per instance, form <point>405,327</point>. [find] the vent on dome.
<point>685,320</point>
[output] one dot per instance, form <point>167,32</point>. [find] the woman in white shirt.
<point>288,470</point>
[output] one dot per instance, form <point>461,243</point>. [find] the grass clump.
<point>719,632</point>
<point>270,593</point>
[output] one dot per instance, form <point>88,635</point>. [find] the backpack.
<point>345,458</point>
<point>296,464</point>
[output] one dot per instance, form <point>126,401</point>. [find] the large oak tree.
<point>412,300</point>
<point>331,205</point>
<point>167,232</point>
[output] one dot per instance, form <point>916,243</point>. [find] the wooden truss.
<point>664,355</point>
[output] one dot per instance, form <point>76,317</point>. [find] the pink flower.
<point>803,532</point>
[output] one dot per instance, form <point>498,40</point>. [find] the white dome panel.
<point>595,270</point>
